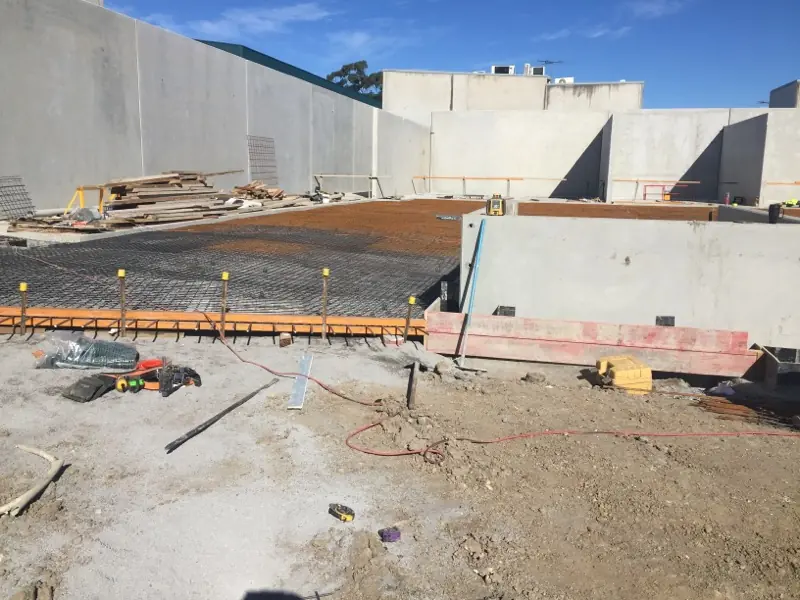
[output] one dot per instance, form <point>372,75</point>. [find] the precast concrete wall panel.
<point>742,161</point>
<point>781,157</point>
<point>363,117</point>
<point>414,95</point>
<point>193,103</point>
<point>542,147</point>
<point>69,113</point>
<point>498,92</point>
<point>403,152</point>
<point>631,271</point>
<point>595,96</point>
<point>323,136</point>
<point>786,96</point>
<point>667,145</point>
<point>279,107</point>
<point>343,144</point>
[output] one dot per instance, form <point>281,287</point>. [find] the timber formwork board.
<point>379,254</point>
<point>659,212</point>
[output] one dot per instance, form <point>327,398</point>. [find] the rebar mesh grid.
<point>14,199</point>
<point>273,270</point>
<point>263,161</point>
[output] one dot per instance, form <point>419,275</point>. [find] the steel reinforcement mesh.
<point>272,270</point>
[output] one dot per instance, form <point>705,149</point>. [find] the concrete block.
<point>541,146</point>
<point>707,275</point>
<point>653,146</point>
<point>279,106</point>
<point>193,103</point>
<point>619,96</point>
<point>70,109</point>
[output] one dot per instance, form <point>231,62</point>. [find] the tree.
<point>354,77</point>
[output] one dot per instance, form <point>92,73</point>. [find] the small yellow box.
<point>626,372</point>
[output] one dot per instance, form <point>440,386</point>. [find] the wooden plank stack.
<point>166,198</point>
<point>167,187</point>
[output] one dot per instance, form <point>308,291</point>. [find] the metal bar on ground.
<point>23,305</point>
<point>298,395</point>
<point>206,424</point>
<point>411,394</point>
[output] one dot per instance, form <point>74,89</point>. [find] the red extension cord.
<point>433,451</point>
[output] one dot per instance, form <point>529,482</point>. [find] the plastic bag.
<point>73,350</point>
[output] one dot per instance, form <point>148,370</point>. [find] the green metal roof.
<point>278,65</point>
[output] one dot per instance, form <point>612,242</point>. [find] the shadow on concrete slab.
<point>583,179</point>
<point>704,169</point>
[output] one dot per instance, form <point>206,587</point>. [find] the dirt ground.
<point>243,507</point>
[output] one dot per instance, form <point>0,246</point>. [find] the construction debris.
<point>257,189</point>
<point>20,503</point>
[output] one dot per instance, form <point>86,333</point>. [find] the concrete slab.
<point>70,109</point>
<point>193,103</point>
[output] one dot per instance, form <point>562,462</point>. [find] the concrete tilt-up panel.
<point>631,271</point>
<point>649,147</point>
<point>540,148</point>
<point>193,103</point>
<point>279,107</point>
<point>781,175</point>
<point>69,105</point>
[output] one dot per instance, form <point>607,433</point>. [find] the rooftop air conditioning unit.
<point>564,80</point>
<point>529,70</point>
<point>503,69</point>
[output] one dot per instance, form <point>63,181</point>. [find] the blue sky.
<point>690,53</point>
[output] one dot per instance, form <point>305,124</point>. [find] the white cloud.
<point>554,35</point>
<point>654,9</point>
<point>607,32</point>
<point>236,23</point>
<point>349,46</point>
<point>163,20</point>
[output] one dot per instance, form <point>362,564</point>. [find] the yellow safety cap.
<point>121,273</point>
<point>225,276</point>
<point>412,300</point>
<point>23,287</point>
<point>326,272</point>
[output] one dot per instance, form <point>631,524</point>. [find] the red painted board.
<point>578,353</point>
<point>604,334</point>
